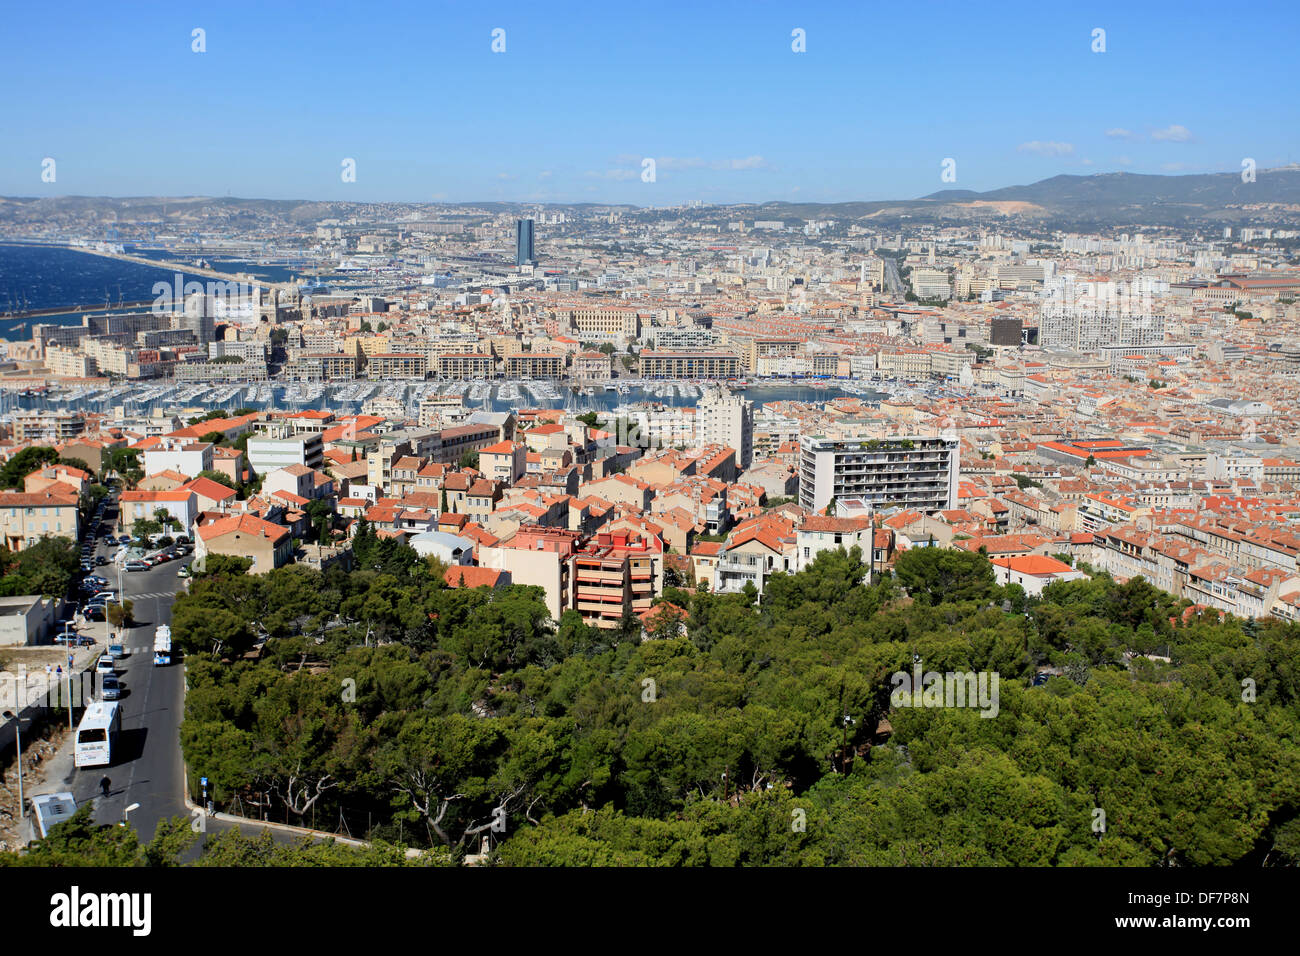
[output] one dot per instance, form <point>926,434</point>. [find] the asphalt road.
<point>147,767</point>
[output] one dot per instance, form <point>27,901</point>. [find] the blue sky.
<point>584,91</point>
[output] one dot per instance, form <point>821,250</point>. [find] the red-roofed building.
<point>26,518</point>
<point>243,536</point>
<point>181,504</point>
<point>211,495</point>
<point>1033,572</point>
<point>506,461</point>
<point>469,576</point>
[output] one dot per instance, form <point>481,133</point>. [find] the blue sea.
<point>51,277</point>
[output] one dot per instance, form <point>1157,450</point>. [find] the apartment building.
<point>608,322</point>
<point>467,366</point>
<point>278,448</point>
<point>398,365</point>
<point>26,518</point>
<point>615,573</point>
<point>931,284</point>
<point>47,428</point>
<point>538,557</point>
<point>456,441</point>
<point>753,552</point>
<point>181,504</point>
<point>69,362</point>
<point>534,365</point>
<point>270,546</point>
<point>505,461</point>
<point>725,419</point>
<point>187,457</point>
<point>913,472</point>
<point>690,365</point>
<point>817,533</point>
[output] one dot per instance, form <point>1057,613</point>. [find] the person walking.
<point>104,784</point>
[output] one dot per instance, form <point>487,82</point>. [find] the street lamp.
<point>126,814</point>
<point>18,738</point>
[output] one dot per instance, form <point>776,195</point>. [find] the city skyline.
<point>695,90</point>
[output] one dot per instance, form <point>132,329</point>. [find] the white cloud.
<point>1124,161</point>
<point>506,176</point>
<point>1087,162</point>
<point>695,162</point>
<point>1174,167</point>
<point>621,175</point>
<point>1118,132</point>
<point>1173,134</point>
<point>749,162</point>
<point>1042,148</point>
<point>545,174</point>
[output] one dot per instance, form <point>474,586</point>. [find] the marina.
<point>160,397</point>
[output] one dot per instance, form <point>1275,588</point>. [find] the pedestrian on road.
<point>104,784</point>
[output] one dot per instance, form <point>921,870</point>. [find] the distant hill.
<point>1118,198</point>
<point>1114,197</point>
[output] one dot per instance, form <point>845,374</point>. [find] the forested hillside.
<point>765,735</point>
<point>433,717</point>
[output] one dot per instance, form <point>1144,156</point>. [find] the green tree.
<point>938,575</point>
<point>46,567</point>
<point>144,530</point>
<point>125,462</point>
<point>220,477</point>
<point>119,614</point>
<point>23,463</point>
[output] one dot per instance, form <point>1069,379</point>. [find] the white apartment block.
<point>908,471</point>
<point>726,419</point>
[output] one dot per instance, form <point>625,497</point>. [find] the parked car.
<point>106,664</point>
<point>124,539</point>
<point>100,560</point>
<point>136,566</point>
<point>94,612</point>
<point>183,539</point>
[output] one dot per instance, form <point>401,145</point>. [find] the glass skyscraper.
<point>524,242</point>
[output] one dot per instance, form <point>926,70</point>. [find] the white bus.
<point>52,809</point>
<point>97,734</point>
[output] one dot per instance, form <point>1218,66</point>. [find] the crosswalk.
<point>149,594</point>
